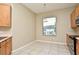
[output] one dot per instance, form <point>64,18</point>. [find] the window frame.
<point>43,26</point>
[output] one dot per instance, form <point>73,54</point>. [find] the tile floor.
<point>41,48</point>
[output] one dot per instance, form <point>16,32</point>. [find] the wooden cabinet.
<point>77,47</point>
<point>70,44</point>
<point>74,16</point>
<point>6,47</point>
<point>5,15</point>
<point>2,48</point>
<point>77,11</point>
<point>73,44</point>
<point>73,20</point>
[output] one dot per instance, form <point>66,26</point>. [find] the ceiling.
<point>45,7</point>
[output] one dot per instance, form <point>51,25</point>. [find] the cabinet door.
<point>8,46</point>
<point>77,11</point>
<point>4,15</point>
<point>2,48</point>
<point>77,47</point>
<point>73,20</point>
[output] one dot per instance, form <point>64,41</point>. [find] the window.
<point>49,26</point>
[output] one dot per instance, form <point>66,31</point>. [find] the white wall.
<point>23,25</point>
<point>63,25</point>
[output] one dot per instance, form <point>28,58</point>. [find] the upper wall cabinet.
<point>77,11</point>
<point>5,15</point>
<point>75,18</point>
<point>73,23</point>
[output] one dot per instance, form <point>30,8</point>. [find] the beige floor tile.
<point>41,48</point>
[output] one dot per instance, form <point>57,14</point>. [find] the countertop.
<point>74,36</point>
<point>5,38</point>
<point>77,38</point>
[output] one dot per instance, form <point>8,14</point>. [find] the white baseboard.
<point>51,42</point>
<point>23,47</point>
